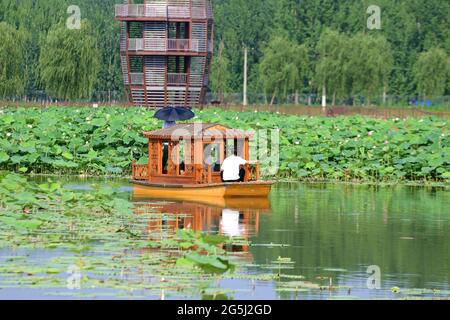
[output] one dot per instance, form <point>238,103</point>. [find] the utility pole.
<point>245,102</point>
<point>324,97</point>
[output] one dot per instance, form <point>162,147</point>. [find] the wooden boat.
<point>184,164</point>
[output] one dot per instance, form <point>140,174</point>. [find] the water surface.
<point>330,233</point>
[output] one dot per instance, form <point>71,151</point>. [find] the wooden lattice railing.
<point>252,171</point>
<point>183,45</point>
<point>177,79</point>
<point>139,171</point>
<point>171,9</point>
<point>163,45</point>
<point>202,175</point>
<point>137,78</point>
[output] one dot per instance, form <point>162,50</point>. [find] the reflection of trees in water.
<point>404,230</point>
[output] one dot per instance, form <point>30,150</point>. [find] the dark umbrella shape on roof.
<point>172,114</point>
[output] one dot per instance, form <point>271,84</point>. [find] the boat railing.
<point>139,171</point>
<point>252,171</point>
<point>204,175</point>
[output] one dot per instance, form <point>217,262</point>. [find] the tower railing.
<point>173,79</point>
<point>176,79</point>
<point>136,44</point>
<point>164,11</point>
<point>182,45</point>
<point>130,10</point>
<point>137,78</point>
<point>178,12</point>
<point>163,45</point>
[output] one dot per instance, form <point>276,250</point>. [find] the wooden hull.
<point>238,203</point>
<point>199,192</point>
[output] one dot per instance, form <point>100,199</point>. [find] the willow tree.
<point>12,79</point>
<point>220,73</point>
<point>332,66</point>
<point>432,71</point>
<point>283,68</point>
<point>69,62</point>
<point>370,64</point>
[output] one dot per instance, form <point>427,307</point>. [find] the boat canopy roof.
<point>203,131</point>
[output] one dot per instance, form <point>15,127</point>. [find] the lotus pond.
<point>91,239</point>
<point>104,141</point>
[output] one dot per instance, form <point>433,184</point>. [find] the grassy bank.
<point>104,141</point>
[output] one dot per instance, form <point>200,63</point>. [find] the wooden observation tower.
<point>166,48</point>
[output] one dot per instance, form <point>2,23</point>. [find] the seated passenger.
<point>231,170</point>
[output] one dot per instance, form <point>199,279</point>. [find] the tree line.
<point>325,47</point>
<point>295,47</point>
<point>40,53</point>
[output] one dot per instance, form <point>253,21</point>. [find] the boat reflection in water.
<point>237,218</point>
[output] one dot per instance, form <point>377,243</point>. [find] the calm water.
<point>330,233</point>
<point>338,231</point>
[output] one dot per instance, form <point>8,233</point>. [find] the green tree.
<point>409,26</point>
<point>69,62</point>
<point>370,64</point>
<point>12,79</point>
<point>432,71</point>
<point>107,32</point>
<point>300,60</point>
<point>332,65</point>
<point>243,23</point>
<point>400,28</point>
<point>220,73</point>
<point>283,68</point>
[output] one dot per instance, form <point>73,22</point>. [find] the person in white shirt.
<point>231,170</point>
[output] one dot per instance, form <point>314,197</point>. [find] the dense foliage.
<point>383,60</point>
<point>106,140</point>
<point>431,70</point>
<point>11,57</point>
<point>283,68</point>
<point>69,62</point>
<point>43,22</point>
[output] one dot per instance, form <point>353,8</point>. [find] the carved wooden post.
<point>172,160</point>
<point>209,173</point>
<point>247,172</point>
<point>198,171</point>
<point>160,147</point>
<point>176,157</point>
<point>149,163</point>
<point>247,149</point>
